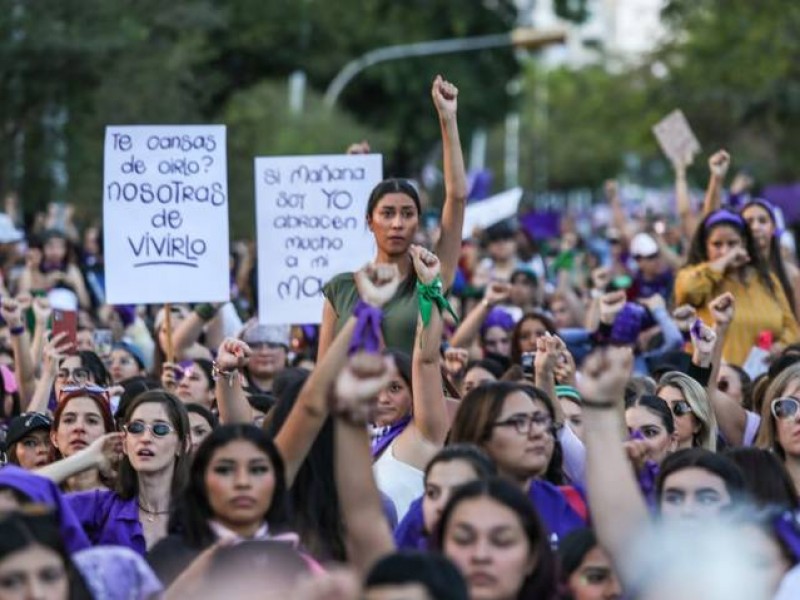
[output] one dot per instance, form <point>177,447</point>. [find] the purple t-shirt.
<point>108,519</point>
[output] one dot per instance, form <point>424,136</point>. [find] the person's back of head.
<point>437,575</point>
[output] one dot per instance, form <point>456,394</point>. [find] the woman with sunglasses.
<point>153,470</point>
<point>780,420</point>
<point>693,484</point>
<point>82,416</point>
<point>393,216</point>
<point>695,424</point>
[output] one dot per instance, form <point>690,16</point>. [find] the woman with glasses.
<point>780,420</point>
<point>153,470</point>
<point>515,425</point>
<point>82,416</point>
<point>393,217</point>
<point>695,423</point>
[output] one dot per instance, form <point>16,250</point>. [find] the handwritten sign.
<point>311,224</point>
<point>676,138</point>
<point>165,214</point>
<point>491,210</point>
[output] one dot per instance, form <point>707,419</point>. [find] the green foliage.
<point>70,67</point>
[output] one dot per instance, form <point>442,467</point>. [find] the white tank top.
<point>398,480</point>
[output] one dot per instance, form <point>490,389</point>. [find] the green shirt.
<point>399,325</point>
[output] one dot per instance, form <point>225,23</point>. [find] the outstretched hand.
<point>445,97</point>
<point>377,284</point>
<point>718,164</point>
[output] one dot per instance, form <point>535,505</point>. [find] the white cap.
<point>255,332</point>
<point>643,244</point>
<point>8,233</point>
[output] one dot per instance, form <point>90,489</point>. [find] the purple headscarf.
<point>497,317</point>
<point>43,491</point>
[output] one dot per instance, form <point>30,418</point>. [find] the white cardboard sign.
<point>311,225</point>
<point>165,214</point>
<point>491,210</point>
<point>676,138</point>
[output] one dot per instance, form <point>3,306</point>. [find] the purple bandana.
<point>787,527</point>
<point>768,206</point>
<point>367,335</point>
<point>382,437</point>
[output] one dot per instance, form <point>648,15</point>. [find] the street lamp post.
<point>523,37</point>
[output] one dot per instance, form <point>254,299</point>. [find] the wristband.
<point>430,294</point>
<point>205,311</point>
<point>600,404</point>
<point>217,374</point>
<point>18,330</point>
<point>367,335</point>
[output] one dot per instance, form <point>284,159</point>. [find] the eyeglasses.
<point>524,423</point>
<point>78,374</point>
<point>681,408</point>
<point>71,391</point>
<point>785,408</point>
<point>137,428</point>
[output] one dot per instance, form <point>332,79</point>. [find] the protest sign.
<point>311,225</point>
<point>492,210</point>
<point>165,214</point>
<point>676,138</point>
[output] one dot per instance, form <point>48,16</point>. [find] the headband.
<point>724,216</point>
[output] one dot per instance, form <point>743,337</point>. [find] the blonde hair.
<point>697,398</point>
<point>767,433</point>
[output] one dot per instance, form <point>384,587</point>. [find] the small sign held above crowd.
<point>676,138</point>
<point>311,225</point>
<point>165,214</point>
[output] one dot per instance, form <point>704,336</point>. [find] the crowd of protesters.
<point>602,415</point>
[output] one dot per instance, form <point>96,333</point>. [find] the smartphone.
<point>103,340</point>
<point>528,359</point>
<point>66,321</point>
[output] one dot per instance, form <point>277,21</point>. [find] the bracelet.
<point>18,330</point>
<point>367,334</point>
<point>217,374</point>
<point>429,294</point>
<point>599,404</point>
<point>205,311</point>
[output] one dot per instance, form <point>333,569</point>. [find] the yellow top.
<point>757,308</point>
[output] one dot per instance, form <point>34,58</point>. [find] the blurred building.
<point>616,31</point>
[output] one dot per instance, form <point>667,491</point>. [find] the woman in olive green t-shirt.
<point>393,212</point>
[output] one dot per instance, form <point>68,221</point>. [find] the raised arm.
<point>21,346</point>
<point>618,216</point>
<point>429,408</point>
<point>445,99</point>
<point>731,416</point>
<point>468,329</point>
<point>683,200</point>
<point>54,350</point>
<point>42,312</point>
<point>327,330</point>
<point>376,285</point>
<point>618,510</point>
<point>368,536</point>
<point>718,165</point>
<point>232,403</point>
